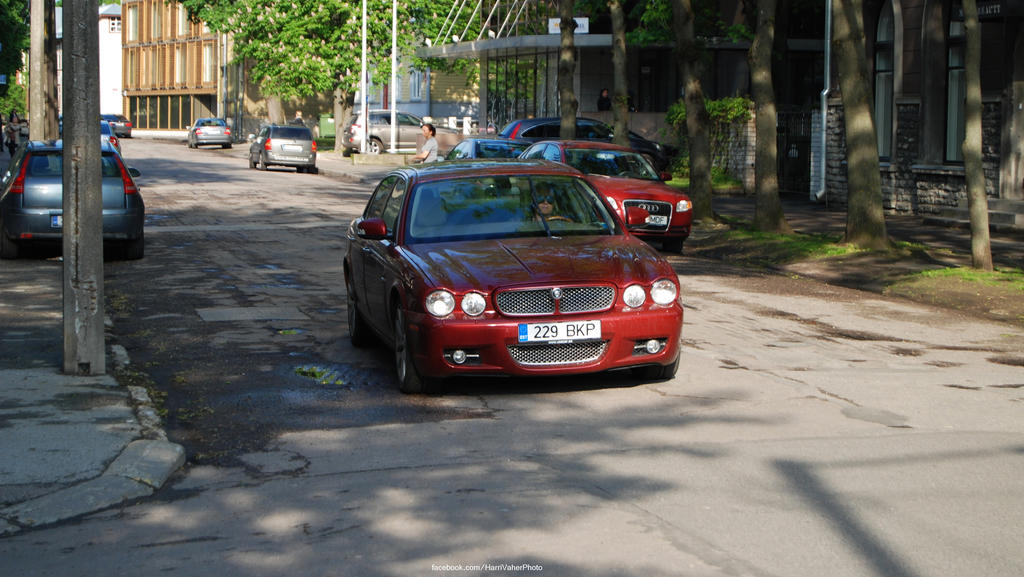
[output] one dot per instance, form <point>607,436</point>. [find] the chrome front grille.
<point>557,354</point>
<point>582,299</point>
<point>655,208</point>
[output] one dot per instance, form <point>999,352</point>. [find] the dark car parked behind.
<point>32,200</point>
<point>549,128</point>
<point>486,148</point>
<point>283,145</point>
<point>120,124</point>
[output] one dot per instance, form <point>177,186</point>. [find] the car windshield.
<point>495,207</point>
<point>610,163</point>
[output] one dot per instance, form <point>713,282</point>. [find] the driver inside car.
<point>544,204</point>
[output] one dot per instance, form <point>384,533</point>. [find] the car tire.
<point>673,244</point>
<point>252,163</point>
<point>410,381</point>
<point>226,146</point>
<point>313,170</point>
<point>261,163</point>
<point>8,248</point>
<point>374,146</point>
<point>358,330</point>
<point>134,249</point>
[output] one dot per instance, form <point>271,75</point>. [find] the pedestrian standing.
<point>429,151</point>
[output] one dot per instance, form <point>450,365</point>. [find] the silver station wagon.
<point>283,145</point>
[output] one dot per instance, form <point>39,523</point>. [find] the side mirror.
<point>372,228</point>
<point>636,216</point>
<point>665,176</point>
<point>252,137</point>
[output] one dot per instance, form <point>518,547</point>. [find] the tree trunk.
<point>977,202</point>
<point>567,69</point>
<point>342,110</point>
<point>865,219</point>
<point>620,99</point>
<point>275,110</point>
<point>688,57</point>
<point>768,215</point>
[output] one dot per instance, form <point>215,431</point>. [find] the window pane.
<point>883,113</point>
<point>955,129</point>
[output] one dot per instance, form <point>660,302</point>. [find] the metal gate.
<point>794,138</point>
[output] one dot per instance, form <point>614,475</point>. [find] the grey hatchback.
<point>32,200</point>
<point>283,145</point>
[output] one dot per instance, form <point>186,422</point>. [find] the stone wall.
<point>908,185</point>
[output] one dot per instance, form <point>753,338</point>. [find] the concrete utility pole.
<point>43,71</point>
<point>84,351</point>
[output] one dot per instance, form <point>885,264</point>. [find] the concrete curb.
<point>142,467</point>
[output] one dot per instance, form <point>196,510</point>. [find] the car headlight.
<point>440,303</point>
<point>683,206</point>
<point>634,296</point>
<point>473,304</point>
<point>664,291</point>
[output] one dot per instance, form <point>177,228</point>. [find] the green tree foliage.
<point>14,40</point>
<point>305,47</point>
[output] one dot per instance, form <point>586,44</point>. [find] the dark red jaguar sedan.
<point>477,268</point>
<point>626,178</point>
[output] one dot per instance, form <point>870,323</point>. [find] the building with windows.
<point>916,53</point>
<point>172,67</point>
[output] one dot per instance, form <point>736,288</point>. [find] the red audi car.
<point>476,268</point>
<point>627,179</point>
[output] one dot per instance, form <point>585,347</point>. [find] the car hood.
<point>492,264</point>
<point>619,188</point>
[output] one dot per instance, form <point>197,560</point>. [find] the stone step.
<point>1003,216</point>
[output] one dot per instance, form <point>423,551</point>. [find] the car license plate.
<point>56,221</point>
<point>559,332</point>
<point>291,148</point>
<point>657,219</point>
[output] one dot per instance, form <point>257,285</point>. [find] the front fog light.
<point>458,356</point>
<point>653,346</point>
<point>634,296</point>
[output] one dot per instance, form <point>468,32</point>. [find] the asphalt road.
<point>811,429</point>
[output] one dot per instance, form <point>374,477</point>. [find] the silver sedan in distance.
<point>209,131</point>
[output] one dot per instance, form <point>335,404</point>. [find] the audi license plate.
<point>56,221</point>
<point>559,332</point>
<point>657,219</point>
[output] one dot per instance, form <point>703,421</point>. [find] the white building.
<point>111,86</point>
